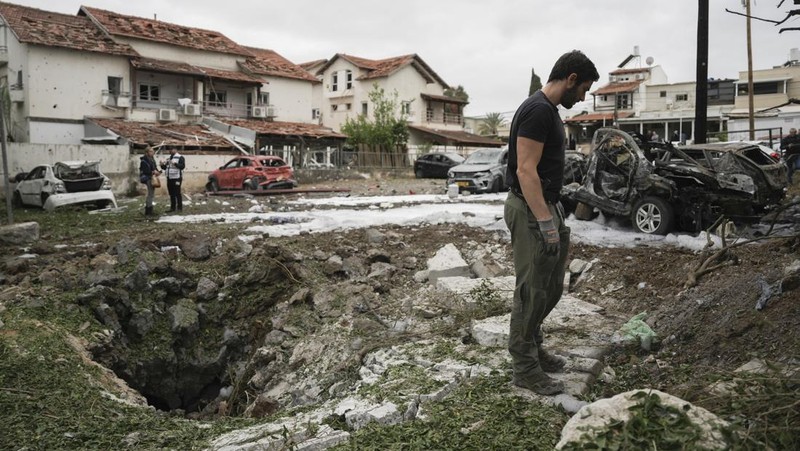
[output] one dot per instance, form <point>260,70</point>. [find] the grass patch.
<point>481,414</point>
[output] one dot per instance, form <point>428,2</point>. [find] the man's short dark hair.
<point>574,62</point>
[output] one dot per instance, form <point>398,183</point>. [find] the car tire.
<point>252,184</point>
<point>653,216</point>
<point>497,185</point>
<point>419,174</point>
<point>17,199</point>
<point>213,186</point>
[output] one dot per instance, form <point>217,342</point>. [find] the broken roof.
<point>35,26</point>
<point>598,117</point>
<point>615,88</point>
<point>308,65</point>
<point>167,135</point>
<point>388,66</point>
<point>444,99</point>
<point>154,30</point>
<point>458,137</point>
<point>285,128</point>
<point>269,62</point>
<point>188,69</point>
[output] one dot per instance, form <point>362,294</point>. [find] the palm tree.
<point>491,123</point>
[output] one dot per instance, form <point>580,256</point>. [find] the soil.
<point>713,326</point>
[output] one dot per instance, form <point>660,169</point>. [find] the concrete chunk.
<point>447,262</point>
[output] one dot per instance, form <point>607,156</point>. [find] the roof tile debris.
<point>615,88</point>
<point>459,137</point>
<point>269,62</point>
<point>166,135</point>
<point>35,26</point>
<point>188,69</point>
<point>164,32</point>
<point>596,117</point>
<point>285,128</point>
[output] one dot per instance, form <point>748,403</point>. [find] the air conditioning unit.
<point>259,111</point>
<point>270,111</point>
<point>191,109</point>
<point>167,115</point>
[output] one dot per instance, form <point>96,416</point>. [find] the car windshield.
<point>483,157</point>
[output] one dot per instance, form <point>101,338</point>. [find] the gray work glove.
<point>552,242</point>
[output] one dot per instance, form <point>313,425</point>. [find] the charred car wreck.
<point>661,187</point>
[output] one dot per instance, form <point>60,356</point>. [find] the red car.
<point>252,172</point>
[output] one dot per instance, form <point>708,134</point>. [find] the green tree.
<point>457,93</point>
<point>491,124</point>
<point>387,128</point>
<point>536,83</point>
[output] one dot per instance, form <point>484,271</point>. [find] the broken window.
<point>149,92</point>
<point>114,86</point>
<point>218,98</point>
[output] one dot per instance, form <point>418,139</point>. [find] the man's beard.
<point>570,97</point>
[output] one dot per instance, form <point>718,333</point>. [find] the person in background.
<point>147,170</point>
<point>173,166</point>
<point>790,145</point>
<point>675,137</point>
<point>535,218</point>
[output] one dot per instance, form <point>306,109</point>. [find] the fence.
<point>365,157</point>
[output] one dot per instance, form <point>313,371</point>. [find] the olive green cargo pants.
<point>540,281</point>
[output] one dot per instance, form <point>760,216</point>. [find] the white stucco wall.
<point>654,102</point>
<point>67,84</point>
<point>291,98</point>
<point>163,51</point>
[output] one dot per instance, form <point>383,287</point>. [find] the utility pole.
<point>7,185</point>
<point>751,112</point>
<point>701,90</point>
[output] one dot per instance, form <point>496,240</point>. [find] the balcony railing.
<point>444,118</point>
<point>115,99</point>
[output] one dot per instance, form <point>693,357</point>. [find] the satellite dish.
<point>649,60</point>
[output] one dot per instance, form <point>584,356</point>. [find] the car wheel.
<point>251,184</point>
<point>653,216</point>
<point>419,173</point>
<point>497,185</point>
<point>17,200</point>
<point>213,186</point>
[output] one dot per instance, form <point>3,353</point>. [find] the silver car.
<point>484,171</point>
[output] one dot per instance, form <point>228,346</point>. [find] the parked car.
<point>483,171</point>
<point>64,183</point>
<point>436,164</point>
<point>252,172</point>
<point>662,187</point>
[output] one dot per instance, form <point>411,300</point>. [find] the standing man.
<point>790,145</point>
<point>534,215</point>
<point>173,166</point>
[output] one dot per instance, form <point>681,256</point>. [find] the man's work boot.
<point>539,383</point>
<point>550,362</point>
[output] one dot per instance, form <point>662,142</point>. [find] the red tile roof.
<point>169,135</point>
<point>459,137</point>
<point>614,88</point>
<point>269,62</point>
<point>597,117</point>
<point>188,69</point>
<point>310,64</point>
<point>285,128</point>
<point>444,99</point>
<point>35,26</point>
<point>154,30</point>
<point>388,66</point>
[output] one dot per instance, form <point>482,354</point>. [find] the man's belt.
<point>550,198</point>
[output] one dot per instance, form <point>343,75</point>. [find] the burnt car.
<point>483,171</point>
<point>662,187</point>
<point>436,164</point>
<point>64,183</point>
<point>252,172</point>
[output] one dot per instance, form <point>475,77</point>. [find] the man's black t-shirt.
<point>537,119</point>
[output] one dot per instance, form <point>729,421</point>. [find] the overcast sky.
<point>489,47</point>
